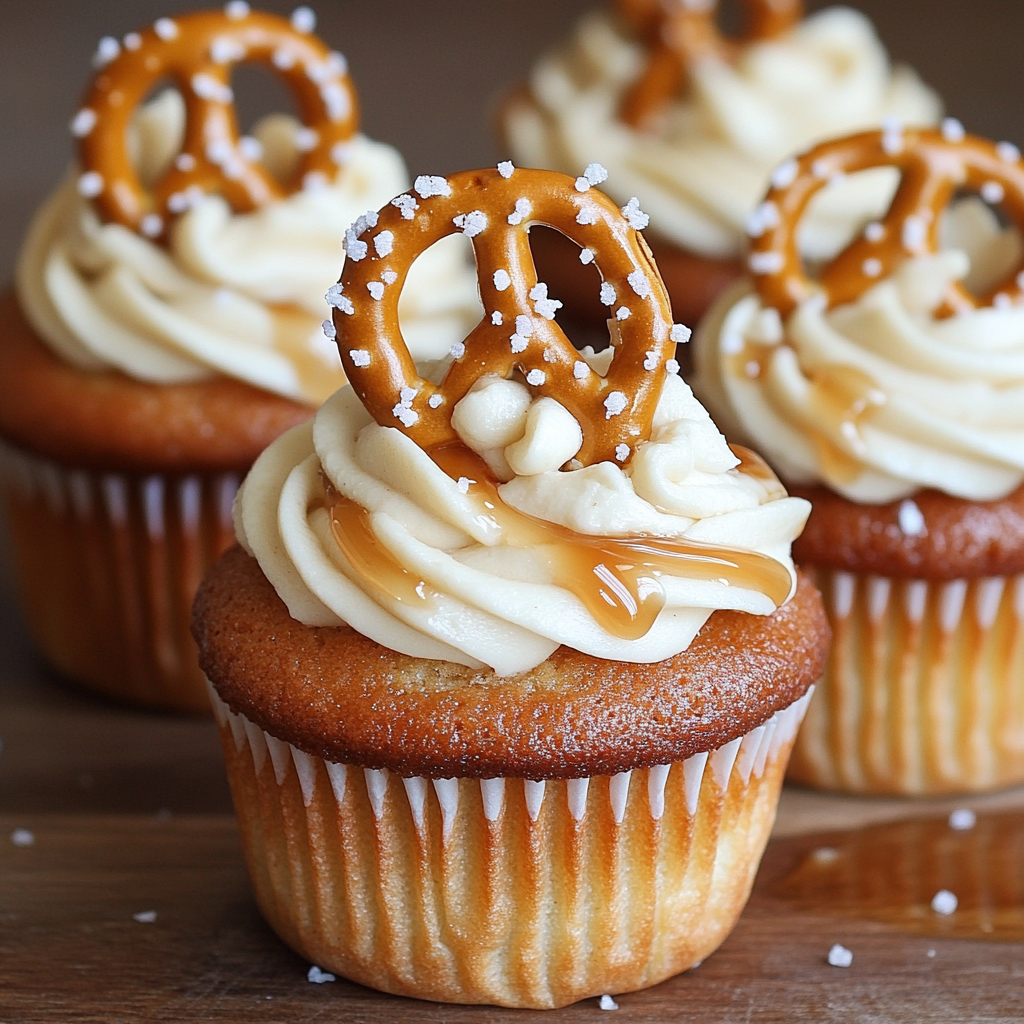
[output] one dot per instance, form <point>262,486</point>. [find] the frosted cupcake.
<point>694,125</point>
<point>167,327</point>
<point>889,389</point>
<point>511,657</point>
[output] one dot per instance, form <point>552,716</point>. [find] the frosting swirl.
<point>471,555</point>
<point>881,397</point>
<point>704,172</point>
<point>240,295</point>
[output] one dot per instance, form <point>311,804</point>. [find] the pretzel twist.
<point>518,331</point>
<point>197,52</point>
<point>934,167</point>
<point>679,33</point>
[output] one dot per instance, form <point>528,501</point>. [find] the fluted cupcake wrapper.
<point>924,688</point>
<point>107,565</point>
<point>507,891</point>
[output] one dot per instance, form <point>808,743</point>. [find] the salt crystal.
<point>640,283</point>
<point>318,977</point>
<point>83,123</point>
<point>471,223</point>
<point>840,956</point>
<point>638,220</point>
<point>962,819</point>
<point>911,519</point>
<point>304,20</point>
<point>615,403</point>
<point>427,185</point>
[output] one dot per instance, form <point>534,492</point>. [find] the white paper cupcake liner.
<point>107,565</point>
<point>507,891</point>
<point>924,687</point>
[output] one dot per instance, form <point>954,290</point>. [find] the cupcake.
<point>888,389</point>
<point>693,125</point>
<point>511,656</point>
<point>167,327</point>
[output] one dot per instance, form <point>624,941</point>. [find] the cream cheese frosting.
<point>450,580</point>
<point>238,295</point>
<point>881,397</point>
<point>702,173</point>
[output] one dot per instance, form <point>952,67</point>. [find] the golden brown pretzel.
<point>518,331</point>
<point>197,52</point>
<point>680,32</point>
<point>934,164</point>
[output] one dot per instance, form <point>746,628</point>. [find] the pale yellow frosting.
<point>492,602</point>
<point>881,397</point>
<point>704,171</point>
<point>240,295</point>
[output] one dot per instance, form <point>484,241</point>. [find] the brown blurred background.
<point>428,73</point>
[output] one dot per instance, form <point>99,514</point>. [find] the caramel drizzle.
<point>840,397</point>
<point>293,328</point>
<point>617,580</point>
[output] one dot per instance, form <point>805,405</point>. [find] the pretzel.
<point>518,332</point>
<point>198,51</point>
<point>681,32</point>
<point>935,165</point>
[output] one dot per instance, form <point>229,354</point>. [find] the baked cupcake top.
<point>519,495</point>
<point>701,159</point>
<point>900,365</point>
<point>176,251</point>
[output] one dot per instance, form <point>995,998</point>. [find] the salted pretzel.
<point>197,52</point>
<point>518,332</point>
<point>680,32</point>
<point>935,165</point>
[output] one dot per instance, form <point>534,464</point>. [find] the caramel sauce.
<point>616,579</point>
<point>293,328</point>
<point>841,397</point>
<point>752,465</point>
<point>890,873</point>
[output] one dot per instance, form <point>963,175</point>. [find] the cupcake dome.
<point>167,327</point>
<point>895,416</point>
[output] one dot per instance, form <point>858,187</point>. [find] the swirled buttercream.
<point>462,556</point>
<point>240,295</point>
<point>702,173</point>
<point>881,397</point>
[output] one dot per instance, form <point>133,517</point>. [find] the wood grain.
<point>70,949</point>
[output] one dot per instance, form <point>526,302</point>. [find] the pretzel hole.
<point>992,241</point>
<point>731,18</point>
<point>426,325</point>
<point>156,132</point>
<point>839,213</point>
<point>578,285</point>
<point>259,92</point>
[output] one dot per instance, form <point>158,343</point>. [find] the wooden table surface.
<point>129,812</point>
